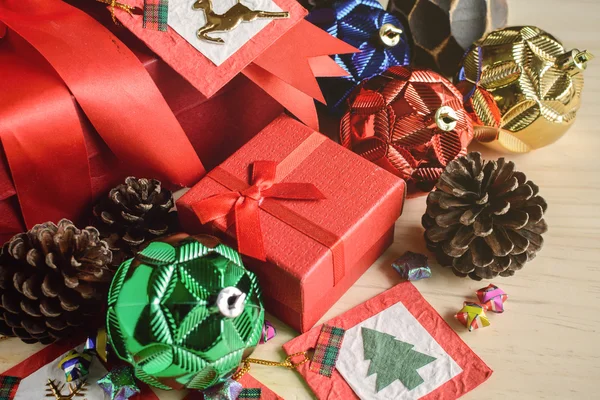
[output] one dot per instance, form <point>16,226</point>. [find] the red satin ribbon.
<point>115,92</point>
<point>286,72</point>
<point>244,203</point>
<point>42,138</point>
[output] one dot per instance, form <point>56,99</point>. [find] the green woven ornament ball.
<point>184,312</point>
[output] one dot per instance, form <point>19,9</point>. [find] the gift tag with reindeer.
<point>49,381</point>
<point>209,41</point>
<point>41,377</point>
<point>219,28</point>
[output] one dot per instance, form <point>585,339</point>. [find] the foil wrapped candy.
<point>412,266</point>
<point>228,390</point>
<point>268,332</point>
<point>76,365</point>
<point>98,345</point>
<point>378,35</point>
<point>119,383</point>
<point>472,316</point>
<point>492,298</point>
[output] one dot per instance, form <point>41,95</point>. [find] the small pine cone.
<point>485,219</point>
<point>53,278</point>
<point>134,213</point>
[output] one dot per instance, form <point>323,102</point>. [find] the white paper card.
<point>186,21</point>
<point>400,323</point>
<point>34,386</point>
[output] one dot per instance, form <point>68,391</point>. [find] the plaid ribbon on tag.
<point>156,14</point>
<point>327,350</point>
<point>253,393</point>
<point>8,387</point>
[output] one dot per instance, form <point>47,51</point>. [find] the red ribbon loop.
<point>113,89</point>
<point>246,203</point>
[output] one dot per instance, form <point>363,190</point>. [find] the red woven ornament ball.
<point>410,122</point>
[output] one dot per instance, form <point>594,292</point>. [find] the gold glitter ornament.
<point>522,87</point>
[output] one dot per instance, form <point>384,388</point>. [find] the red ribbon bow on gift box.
<point>244,205</point>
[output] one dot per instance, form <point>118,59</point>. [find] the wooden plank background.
<point>547,344</point>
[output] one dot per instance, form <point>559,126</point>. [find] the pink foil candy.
<point>268,332</point>
<point>492,298</point>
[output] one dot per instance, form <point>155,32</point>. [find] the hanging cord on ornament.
<point>155,13</point>
<point>112,4</point>
<point>287,363</point>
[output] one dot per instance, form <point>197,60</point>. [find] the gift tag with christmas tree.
<point>391,360</point>
<point>394,346</point>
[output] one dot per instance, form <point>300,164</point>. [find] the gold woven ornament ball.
<point>523,88</point>
<point>442,30</point>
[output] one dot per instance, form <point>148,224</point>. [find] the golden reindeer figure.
<point>231,19</point>
<point>55,390</point>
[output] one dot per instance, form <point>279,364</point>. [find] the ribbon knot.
<point>253,192</point>
<point>244,205</point>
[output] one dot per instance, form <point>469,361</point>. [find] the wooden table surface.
<point>547,343</point>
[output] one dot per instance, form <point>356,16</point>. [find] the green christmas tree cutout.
<point>393,359</point>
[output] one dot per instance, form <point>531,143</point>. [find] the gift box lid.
<point>361,202</point>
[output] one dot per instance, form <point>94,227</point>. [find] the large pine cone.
<point>52,279</point>
<point>134,213</point>
<point>485,219</point>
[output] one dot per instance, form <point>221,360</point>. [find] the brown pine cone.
<point>52,279</point>
<point>134,213</point>
<point>485,219</point>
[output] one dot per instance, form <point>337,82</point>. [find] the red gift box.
<point>32,92</point>
<point>322,221</point>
